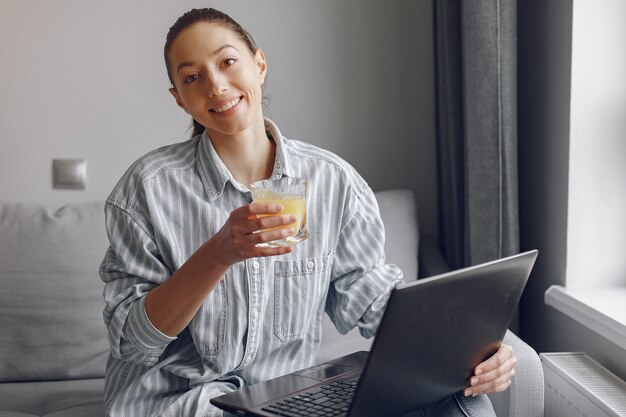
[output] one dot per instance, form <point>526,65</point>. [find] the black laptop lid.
<point>434,333</point>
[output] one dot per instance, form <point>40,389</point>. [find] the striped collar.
<point>215,174</point>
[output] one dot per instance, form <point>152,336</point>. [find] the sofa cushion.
<point>399,214</point>
<point>51,299</point>
<point>79,398</point>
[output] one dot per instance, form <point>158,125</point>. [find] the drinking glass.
<point>291,194</point>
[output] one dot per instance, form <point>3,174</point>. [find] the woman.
<point>194,308</point>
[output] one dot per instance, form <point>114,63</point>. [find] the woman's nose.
<point>216,84</point>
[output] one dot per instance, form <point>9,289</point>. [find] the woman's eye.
<point>229,61</point>
<point>191,78</point>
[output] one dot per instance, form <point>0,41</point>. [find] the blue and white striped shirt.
<point>263,319</point>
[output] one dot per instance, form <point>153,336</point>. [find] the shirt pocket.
<point>208,325</point>
<point>300,288</point>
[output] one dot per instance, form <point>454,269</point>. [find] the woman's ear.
<point>259,58</point>
<point>178,100</point>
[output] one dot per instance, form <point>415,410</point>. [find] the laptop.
<point>432,335</point>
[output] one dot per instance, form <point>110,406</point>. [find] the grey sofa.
<point>53,345</point>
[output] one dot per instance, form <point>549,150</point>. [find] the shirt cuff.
<point>371,318</point>
<point>141,332</point>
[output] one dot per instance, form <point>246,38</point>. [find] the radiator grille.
<point>578,386</point>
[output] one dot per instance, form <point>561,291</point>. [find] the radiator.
<point>578,386</point>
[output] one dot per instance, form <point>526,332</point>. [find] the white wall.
<point>86,79</point>
<point>596,232</point>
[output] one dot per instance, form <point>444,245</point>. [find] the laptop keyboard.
<point>329,400</point>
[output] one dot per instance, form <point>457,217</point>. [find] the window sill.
<point>600,309</point>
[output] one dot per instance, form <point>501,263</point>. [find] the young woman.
<point>194,308</point>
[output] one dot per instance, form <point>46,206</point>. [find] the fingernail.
<point>467,393</point>
<point>474,381</point>
<point>278,207</point>
<point>479,371</point>
<point>292,218</point>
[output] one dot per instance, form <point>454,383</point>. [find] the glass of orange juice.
<point>289,193</point>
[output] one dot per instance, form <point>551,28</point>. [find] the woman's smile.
<point>222,109</point>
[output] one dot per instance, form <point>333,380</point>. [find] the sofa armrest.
<point>525,396</point>
<point>431,259</point>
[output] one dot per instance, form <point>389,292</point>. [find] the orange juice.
<point>292,204</point>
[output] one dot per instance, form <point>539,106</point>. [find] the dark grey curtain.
<point>477,129</point>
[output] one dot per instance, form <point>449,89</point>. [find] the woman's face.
<point>217,79</point>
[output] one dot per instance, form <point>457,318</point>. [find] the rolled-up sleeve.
<point>130,269</point>
<point>361,280</point>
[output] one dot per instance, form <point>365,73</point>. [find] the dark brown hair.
<point>203,15</point>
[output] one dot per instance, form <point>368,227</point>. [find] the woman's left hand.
<point>494,374</point>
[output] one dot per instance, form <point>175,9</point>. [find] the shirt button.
<point>255,315</point>
<point>256,265</point>
<point>310,265</point>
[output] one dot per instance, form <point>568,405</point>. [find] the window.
<point>595,291</point>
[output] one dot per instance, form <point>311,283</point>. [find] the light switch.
<point>69,174</point>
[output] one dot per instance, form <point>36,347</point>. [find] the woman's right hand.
<point>172,305</point>
<point>237,240</point>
